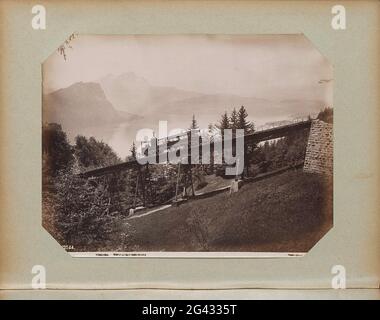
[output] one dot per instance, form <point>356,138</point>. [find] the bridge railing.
<point>272,125</point>
<point>259,135</point>
<point>277,124</point>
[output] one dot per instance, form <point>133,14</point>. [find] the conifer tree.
<point>242,121</point>
<point>248,128</point>
<point>194,124</point>
<point>224,123</point>
<point>234,120</point>
<point>133,151</point>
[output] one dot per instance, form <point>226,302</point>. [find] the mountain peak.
<point>82,86</point>
<point>129,76</point>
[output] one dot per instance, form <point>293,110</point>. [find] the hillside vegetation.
<point>286,212</point>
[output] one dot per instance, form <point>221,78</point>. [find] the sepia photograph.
<point>187,145</point>
<point>203,151</point>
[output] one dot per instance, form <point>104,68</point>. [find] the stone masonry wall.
<point>319,150</point>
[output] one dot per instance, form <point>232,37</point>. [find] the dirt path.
<point>149,212</point>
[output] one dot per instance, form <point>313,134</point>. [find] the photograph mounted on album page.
<point>189,145</point>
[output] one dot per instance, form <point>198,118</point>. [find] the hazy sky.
<point>273,67</point>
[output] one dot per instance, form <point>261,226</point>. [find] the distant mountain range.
<point>134,94</point>
<point>81,106</point>
<point>97,108</point>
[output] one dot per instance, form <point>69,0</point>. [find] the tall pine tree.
<point>248,128</point>
<point>224,123</point>
<point>243,123</point>
<point>133,151</point>
<point>234,119</point>
<point>194,124</point>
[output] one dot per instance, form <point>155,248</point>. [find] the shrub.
<point>82,214</point>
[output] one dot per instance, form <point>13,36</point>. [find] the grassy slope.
<point>289,212</point>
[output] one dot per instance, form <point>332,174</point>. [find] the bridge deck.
<point>256,137</point>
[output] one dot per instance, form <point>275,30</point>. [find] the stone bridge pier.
<point>319,150</point>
